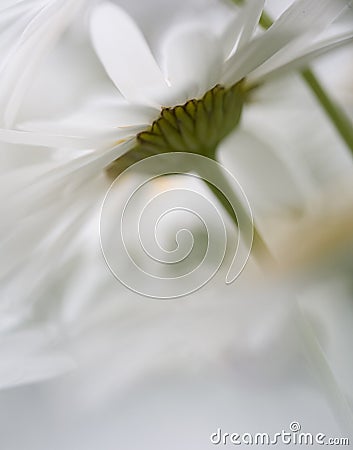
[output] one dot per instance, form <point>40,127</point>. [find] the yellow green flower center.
<point>198,126</point>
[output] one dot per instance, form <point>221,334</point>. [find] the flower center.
<point>198,126</point>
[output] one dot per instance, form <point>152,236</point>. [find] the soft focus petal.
<point>97,116</point>
<point>192,62</point>
<point>68,135</point>
<point>242,27</point>
<point>304,16</point>
<point>283,61</point>
<point>17,69</point>
<point>125,54</point>
<point>47,139</point>
<point>301,134</point>
<point>255,162</point>
<point>45,219</point>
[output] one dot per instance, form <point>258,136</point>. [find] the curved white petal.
<point>242,27</point>
<point>17,5</point>
<point>62,136</point>
<point>50,219</point>
<point>99,118</point>
<point>192,61</point>
<point>106,111</point>
<point>304,16</point>
<point>37,38</point>
<point>125,54</point>
<point>34,208</point>
<point>13,20</point>
<point>252,14</point>
<point>284,62</point>
<point>308,14</point>
<point>50,207</point>
<point>300,133</point>
<point>45,139</point>
<point>255,163</point>
<point>81,167</point>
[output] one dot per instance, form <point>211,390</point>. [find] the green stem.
<point>340,120</point>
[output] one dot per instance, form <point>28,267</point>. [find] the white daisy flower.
<point>189,103</point>
<point>196,98</point>
<point>191,106</point>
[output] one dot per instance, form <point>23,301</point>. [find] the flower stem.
<point>340,120</point>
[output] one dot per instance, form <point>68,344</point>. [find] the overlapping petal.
<point>242,27</point>
<point>37,38</point>
<point>285,61</point>
<point>304,17</point>
<point>193,60</point>
<point>125,54</point>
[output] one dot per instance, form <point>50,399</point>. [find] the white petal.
<point>307,14</point>
<point>125,54</point>
<point>242,27</point>
<point>38,37</point>
<point>50,220</point>
<point>81,167</point>
<point>304,16</point>
<point>192,62</point>
<point>100,119</point>
<point>85,141</point>
<point>108,112</point>
<point>255,163</point>
<point>17,5</point>
<point>252,14</point>
<point>284,62</point>
<point>13,19</point>
<point>35,207</point>
<point>47,139</point>
<point>95,161</point>
<point>36,210</point>
<point>98,115</point>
